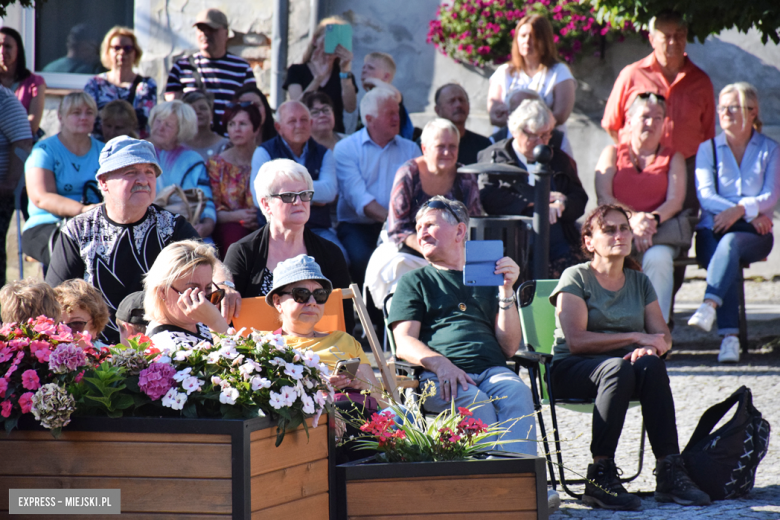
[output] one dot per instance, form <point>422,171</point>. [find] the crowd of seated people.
<point>337,188</point>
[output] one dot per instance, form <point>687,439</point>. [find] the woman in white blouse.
<point>535,65</point>
<point>737,181</point>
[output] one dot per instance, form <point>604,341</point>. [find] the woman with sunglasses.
<point>649,179</point>
<point>181,300</point>
<point>119,53</point>
<point>284,189</point>
<point>230,173</point>
<point>738,184</point>
<point>83,307</point>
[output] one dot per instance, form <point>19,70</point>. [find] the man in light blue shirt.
<point>294,142</point>
<point>366,164</point>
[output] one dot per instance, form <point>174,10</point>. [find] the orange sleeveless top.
<point>645,190</point>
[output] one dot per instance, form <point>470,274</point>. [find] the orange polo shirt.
<point>690,102</point>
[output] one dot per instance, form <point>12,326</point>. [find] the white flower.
<point>294,371</point>
<point>324,370</point>
<point>191,384</point>
<point>229,352</point>
<point>275,340</point>
<point>228,395</point>
<point>256,337</point>
<point>277,401</point>
<point>179,401</point>
<point>181,355</point>
<point>259,412</point>
<point>277,361</point>
<point>169,399</point>
<point>238,360</point>
<point>215,380</point>
<point>316,420</point>
<point>203,345</point>
<point>213,358</point>
<point>228,344</point>
<point>289,395</point>
<point>297,356</point>
<point>182,374</point>
<point>319,397</point>
<point>308,404</point>
<point>311,359</point>
<point>260,382</point>
<point>309,383</point>
<point>247,368</point>
<point>163,359</point>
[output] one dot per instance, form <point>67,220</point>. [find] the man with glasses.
<point>531,124</point>
<point>294,142</point>
<point>688,91</point>
<point>115,244</point>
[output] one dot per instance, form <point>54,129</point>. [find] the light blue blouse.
<point>753,184</point>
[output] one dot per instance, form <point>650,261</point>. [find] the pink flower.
<point>25,402</point>
<point>3,386</point>
<point>5,354</point>
<point>43,325</point>
<point>156,380</point>
<point>79,377</point>
<point>7,328</point>
<point>19,343</point>
<point>5,409</point>
<point>485,13</point>
<point>30,380</point>
<point>454,16</point>
<point>469,49</point>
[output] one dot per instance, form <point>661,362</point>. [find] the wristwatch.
<point>345,75</point>
<point>509,301</point>
<point>228,284</point>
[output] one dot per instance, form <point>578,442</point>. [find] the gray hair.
<point>290,103</point>
<point>532,115</point>
<point>667,16</point>
<point>642,100</point>
<point>369,105</point>
<point>434,129</point>
<point>185,117</point>
<point>519,95</point>
<point>455,205</point>
<point>273,171</point>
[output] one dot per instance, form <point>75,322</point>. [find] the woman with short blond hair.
<point>83,307</point>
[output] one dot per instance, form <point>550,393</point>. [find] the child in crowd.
<point>378,72</point>
<point>118,118</point>
<point>130,317</point>
<point>83,307</point>
<point>25,299</point>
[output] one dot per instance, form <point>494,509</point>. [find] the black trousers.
<point>613,382</point>
<point>6,215</point>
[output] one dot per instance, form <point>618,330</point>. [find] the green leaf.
<point>123,401</point>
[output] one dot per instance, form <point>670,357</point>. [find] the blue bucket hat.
<point>297,269</point>
<point>124,151</point>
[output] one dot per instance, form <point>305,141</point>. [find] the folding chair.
<point>257,314</point>
<point>537,316</point>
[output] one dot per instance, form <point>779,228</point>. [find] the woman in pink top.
<point>30,89</point>
<point>649,179</point>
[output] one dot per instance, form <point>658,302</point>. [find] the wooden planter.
<point>508,486</point>
<point>183,469</point>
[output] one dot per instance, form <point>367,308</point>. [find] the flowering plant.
<point>39,360</point>
<point>480,32</point>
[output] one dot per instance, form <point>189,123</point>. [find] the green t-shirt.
<point>466,337</point>
<point>609,312</point>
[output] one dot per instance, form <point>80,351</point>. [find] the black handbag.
<point>723,463</point>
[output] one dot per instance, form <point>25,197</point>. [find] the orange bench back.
<point>257,314</point>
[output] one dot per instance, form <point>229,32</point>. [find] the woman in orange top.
<point>649,179</point>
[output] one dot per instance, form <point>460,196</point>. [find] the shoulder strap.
<point>714,164</point>
<point>715,413</point>
<point>195,72</point>
<point>137,81</point>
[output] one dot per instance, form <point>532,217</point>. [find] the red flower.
<point>454,16</point>
<point>5,409</point>
<point>25,402</point>
<point>465,412</point>
<point>30,380</point>
<point>3,386</point>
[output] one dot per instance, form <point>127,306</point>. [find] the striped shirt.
<point>222,76</point>
<point>14,127</point>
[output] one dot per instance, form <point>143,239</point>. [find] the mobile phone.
<point>481,258</point>
<point>348,367</point>
<point>337,34</point>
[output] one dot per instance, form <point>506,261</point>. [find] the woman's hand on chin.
<point>196,307</point>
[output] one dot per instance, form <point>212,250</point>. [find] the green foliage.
<point>4,4</point>
<point>705,17</point>
<point>101,391</point>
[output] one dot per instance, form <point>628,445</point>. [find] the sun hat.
<point>131,309</point>
<point>297,269</point>
<point>124,151</point>
<point>214,18</point>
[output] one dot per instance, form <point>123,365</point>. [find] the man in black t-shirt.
<point>452,103</point>
<point>113,245</point>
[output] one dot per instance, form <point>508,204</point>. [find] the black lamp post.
<point>542,155</point>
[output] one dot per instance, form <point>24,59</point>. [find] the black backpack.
<point>723,463</point>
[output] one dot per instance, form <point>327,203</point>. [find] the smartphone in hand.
<point>481,258</point>
<point>348,367</point>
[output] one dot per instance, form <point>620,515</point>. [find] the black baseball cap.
<point>131,310</point>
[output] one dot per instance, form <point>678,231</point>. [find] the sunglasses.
<point>242,104</point>
<point>127,48</point>
<point>215,297</point>
<point>77,326</point>
<point>437,204</point>
<point>648,95</point>
<point>289,197</point>
<point>302,295</point>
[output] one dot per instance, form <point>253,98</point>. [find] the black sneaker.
<point>674,485</point>
<point>604,489</point>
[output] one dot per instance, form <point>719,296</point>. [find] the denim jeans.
<point>513,408</point>
<point>723,259</point>
<point>360,241</point>
<point>330,234</point>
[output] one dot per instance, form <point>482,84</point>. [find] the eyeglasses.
<point>289,197</point>
<point>127,48</point>
<point>648,95</point>
<point>438,204</point>
<point>732,109</point>
<point>77,326</point>
<point>242,104</point>
<point>302,295</point>
<point>543,137</point>
<point>323,111</point>
<point>215,297</point>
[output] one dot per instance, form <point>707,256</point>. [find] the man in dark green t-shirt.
<point>462,335</point>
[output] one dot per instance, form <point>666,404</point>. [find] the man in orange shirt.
<point>690,98</point>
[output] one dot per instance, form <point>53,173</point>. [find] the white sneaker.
<point>553,501</point>
<point>703,318</point>
<point>729,350</point>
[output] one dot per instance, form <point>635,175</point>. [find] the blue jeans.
<point>513,407</point>
<point>723,259</point>
<point>360,241</point>
<point>330,234</point>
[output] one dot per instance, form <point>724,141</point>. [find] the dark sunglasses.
<point>302,295</point>
<point>437,204</point>
<point>242,104</point>
<point>77,326</point>
<point>646,95</point>
<point>215,297</point>
<point>127,48</point>
<point>289,197</point>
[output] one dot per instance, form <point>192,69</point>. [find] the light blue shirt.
<point>366,172</point>
<point>753,184</point>
<point>326,187</point>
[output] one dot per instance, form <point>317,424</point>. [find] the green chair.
<point>537,316</point>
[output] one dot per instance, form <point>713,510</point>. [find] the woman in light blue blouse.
<point>737,181</point>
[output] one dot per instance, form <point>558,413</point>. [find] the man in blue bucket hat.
<point>113,245</point>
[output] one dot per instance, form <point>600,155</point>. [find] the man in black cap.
<point>130,316</point>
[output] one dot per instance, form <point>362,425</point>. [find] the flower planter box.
<point>183,469</point>
<point>508,486</point>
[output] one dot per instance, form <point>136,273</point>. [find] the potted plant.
<point>179,431</point>
<point>445,467</point>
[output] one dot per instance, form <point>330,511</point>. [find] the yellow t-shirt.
<point>332,348</point>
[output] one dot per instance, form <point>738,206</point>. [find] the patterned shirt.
<point>104,92</point>
<point>230,185</point>
<point>114,257</point>
<point>14,127</point>
<point>170,338</point>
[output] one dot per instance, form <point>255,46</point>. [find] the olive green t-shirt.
<point>466,335</point>
<point>609,312</point>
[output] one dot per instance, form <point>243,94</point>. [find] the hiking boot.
<point>604,489</point>
<point>674,485</point>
